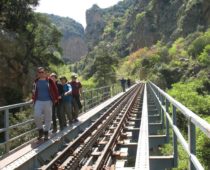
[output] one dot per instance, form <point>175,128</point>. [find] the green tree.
<point>104,68</point>
<point>199,44</point>
<point>46,40</point>
<point>204,57</point>
<point>15,15</point>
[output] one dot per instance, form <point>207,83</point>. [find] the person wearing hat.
<point>66,106</point>
<point>56,110</point>
<point>44,95</point>
<point>76,93</point>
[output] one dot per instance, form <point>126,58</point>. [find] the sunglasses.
<point>40,72</point>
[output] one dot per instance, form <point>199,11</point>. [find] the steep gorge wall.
<point>74,48</point>
<point>73,41</point>
<point>167,20</point>
<point>95,26</point>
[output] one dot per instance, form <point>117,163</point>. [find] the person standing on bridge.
<point>76,93</point>
<point>56,110</point>
<point>128,82</point>
<point>66,105</point>
<point>44,95</point>
<point>123,81</point>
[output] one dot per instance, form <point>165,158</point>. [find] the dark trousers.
<point>77,99</point>
<point>76,106</point>
<point>123,88</point>
<point>56,112</point>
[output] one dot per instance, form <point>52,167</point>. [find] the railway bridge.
<point>116,131</point>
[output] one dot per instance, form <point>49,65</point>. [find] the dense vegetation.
<point>132,24</point>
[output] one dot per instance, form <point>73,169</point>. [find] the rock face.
<point>95,25</point>
<point>73,41</point>
<point>74,47</point>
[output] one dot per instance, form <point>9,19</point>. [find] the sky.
<point>74,9</point>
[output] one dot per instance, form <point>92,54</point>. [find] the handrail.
<point>142,158</point>
<point>13,106</point>
<point>90,99</point>
<point>193,120</point>
<point>99,88</point>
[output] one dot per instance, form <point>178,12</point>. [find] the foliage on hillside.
<point>133,24</point>
<point>186,58</point>
<point>100,65</point>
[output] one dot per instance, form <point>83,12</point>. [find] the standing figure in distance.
<point>44,95</point>
<point>123,81</point>
<point>76,93</point>
<point>128,82</point>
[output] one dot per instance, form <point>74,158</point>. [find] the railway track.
<point>99,146</point>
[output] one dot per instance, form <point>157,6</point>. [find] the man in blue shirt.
<point>45,93</point>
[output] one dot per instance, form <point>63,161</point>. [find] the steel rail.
<point>58,160</point>
<point>74,161</point>
<point>107,150</point>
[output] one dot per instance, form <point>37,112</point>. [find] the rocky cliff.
<point>72,43</point>
<point>95,25</point>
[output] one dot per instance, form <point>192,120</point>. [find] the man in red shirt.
<point>76,93</point>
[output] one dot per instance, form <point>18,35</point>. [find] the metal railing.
<point>142,157</point>
<point>93,97</point>
<point>18,128</point>
<point>7,133</point>
<point>193,121</point>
